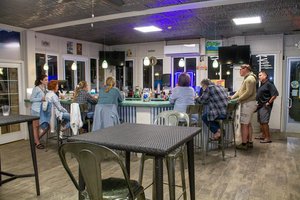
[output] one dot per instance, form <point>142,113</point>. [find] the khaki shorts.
<point>247,110</point>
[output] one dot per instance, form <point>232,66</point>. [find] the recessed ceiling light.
<point>247,20</point>
<point>147,29</point>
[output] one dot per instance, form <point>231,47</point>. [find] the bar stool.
<point>86,116</point>
<point>226,124</point>
<point>193,110</point>
<point>169,118</point>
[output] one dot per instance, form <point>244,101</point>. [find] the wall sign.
<point>212,46</point>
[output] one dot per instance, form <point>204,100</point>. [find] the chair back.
<point>193,110</point>
<point>231,110</point>
<point>172,118</point>
<point>105,115</point>
<point>89,157</point>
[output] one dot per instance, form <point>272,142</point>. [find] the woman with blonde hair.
<point>109,94</point>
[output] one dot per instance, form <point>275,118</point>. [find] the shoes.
<point>242,147</point>
<point>259,138</point>
<point>265,141</point>
<point>218,137</point>
<point>40,146</point>
<point>250,144</point>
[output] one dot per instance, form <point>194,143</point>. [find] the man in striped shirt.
<point>216,99</point>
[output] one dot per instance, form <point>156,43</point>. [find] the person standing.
<point>246,96</point>
<point>182,95</point>
<point>36,99</point>
<point>266,94</point>
<point>216,99</point>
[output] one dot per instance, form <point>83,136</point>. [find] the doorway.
<point>293,95</point>
<point>10,79</point>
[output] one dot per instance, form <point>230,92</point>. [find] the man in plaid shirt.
<point>216,100</point>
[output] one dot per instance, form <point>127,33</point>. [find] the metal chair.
<point>90,157</point>
<point>226,124</point>
<point>169,118</point>
<point>86,116</point>
<point>193,110</point>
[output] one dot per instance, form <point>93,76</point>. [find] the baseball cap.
<point>246,66</point>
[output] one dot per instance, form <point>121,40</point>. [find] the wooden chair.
<point>169,118</point>
<point>90,158</point>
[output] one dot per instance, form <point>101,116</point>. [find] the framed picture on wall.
<point>79,49</point>
<point>69,47</point>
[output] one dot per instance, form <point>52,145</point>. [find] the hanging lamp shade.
<point>74,66</point>
<point>104,64</point>
<point>215,64</point>
<point>146,61</point>
<point>46,66</point>
<point>181,63</point>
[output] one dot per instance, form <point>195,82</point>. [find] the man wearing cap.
<point>246,96</point>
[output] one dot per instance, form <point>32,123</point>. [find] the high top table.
<point>15,119</point>
<point>154,140</point>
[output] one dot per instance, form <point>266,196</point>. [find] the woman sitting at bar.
<point>82,97</point>
<point>60,112</point>
<point>106,113</point>
<point>182,95</point>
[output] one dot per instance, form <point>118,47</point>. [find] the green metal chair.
<point>169,118</point>
<point>90,157</point>
<point>226,125</point>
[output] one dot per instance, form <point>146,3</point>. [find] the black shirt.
<point>265,92</point>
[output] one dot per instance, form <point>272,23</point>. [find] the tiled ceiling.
<point>211,19</point>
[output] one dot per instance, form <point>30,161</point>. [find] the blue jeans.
<point>66,119</point>
<point>212,125</point>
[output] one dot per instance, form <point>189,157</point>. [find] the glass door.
<point>10,79</point>
<point>293,95</point>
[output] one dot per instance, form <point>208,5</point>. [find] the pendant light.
<point>104,63</point>
<point>181,63</point>
<point>215,63</point>
<point>46,66</point>
<point>146,61</point>
<point>74,66</point>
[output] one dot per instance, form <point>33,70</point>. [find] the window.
<point>93,64</point>
<point>129,74</point>
<point>189,68</point>
<point>52,63</point>
<point>152,75</point>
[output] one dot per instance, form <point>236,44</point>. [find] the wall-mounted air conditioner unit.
<point>185,49</point>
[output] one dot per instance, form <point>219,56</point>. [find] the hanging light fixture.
<point>92,24</point>
<point>74,66</point>
<point>215,64</point>
<point>104,64</point>
<point>181,63</point>
<point>146,61</point>
<point>46,66</point>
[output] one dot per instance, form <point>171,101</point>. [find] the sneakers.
<point>242,146</point>
<point>61,134</point>
<point>250,144</point>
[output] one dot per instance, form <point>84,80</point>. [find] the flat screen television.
<point>115,58</point>
<point>234,54</point>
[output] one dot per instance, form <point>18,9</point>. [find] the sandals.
<point>266,141</point>
<point>217,138</point>
<point>40,146</point>
<point>259,138</point>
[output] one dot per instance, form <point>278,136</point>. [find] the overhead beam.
<point>188,6</point>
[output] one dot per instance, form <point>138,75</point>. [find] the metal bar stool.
<point>169,118</point>
<point>225,125</point>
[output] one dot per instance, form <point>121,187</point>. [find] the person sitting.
<point>106,113</point>
<point>182,95</point>
<point>82,97</point>
<point>216,99</point>
<point>60,111</point>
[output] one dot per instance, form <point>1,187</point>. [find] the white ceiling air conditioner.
<point>184,49</point>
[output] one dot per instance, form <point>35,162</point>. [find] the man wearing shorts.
<point>246,96</point>
<point>266,94</point>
